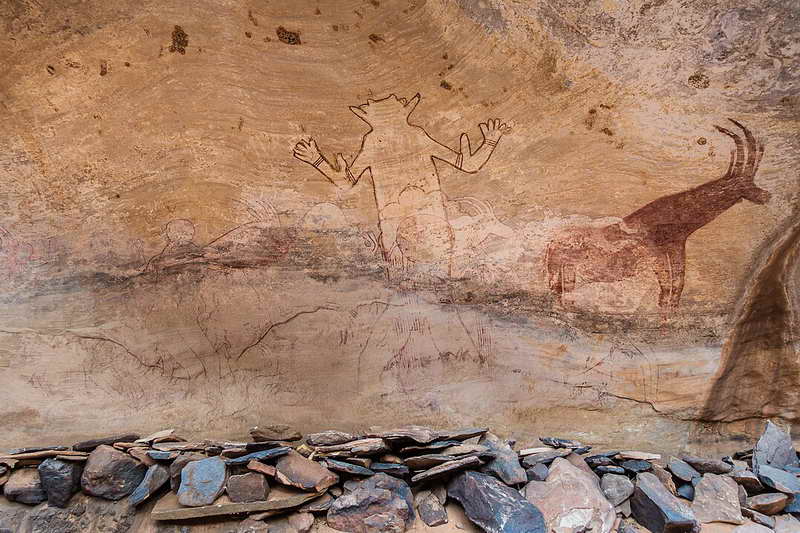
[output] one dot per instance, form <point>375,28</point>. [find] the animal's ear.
<point>360,113</point>
<point>412,104</point>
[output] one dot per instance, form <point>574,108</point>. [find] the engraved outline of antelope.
<point>655,235</point>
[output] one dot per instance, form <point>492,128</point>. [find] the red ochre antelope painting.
<point>654,236</point>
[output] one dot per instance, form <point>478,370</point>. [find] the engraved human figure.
<point>401,158</point>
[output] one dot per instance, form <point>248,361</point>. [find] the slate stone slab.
<point>329,438</point>
<point>167,507</point>
<point>447,469</point>
<point>158,455</point>
<point>636,466</point>
<point>556,442</point>
<point>658,510</point>
<point>89,445</point>
<point>686,491</point>
<point>60,480</point>
<point>616,488</point>
<point>24,486</point>
<point>17,451</point>
<point>295,470</point>
<point>768,504</point>
<point>250,487</point>
<point>779,480</point>
<point>408,434</point>
<point>682,470</point>
<point>430,509</point>
<point>392,469</point>
<point>176,467</point>
<point>202,482</point>
<point>602,470</point>
<point>505,463</point>
<point>111,474</point>
<point>758,518</point>
<point>347,468</point>
<point>544,457</point>
<point>421,462</point>
<point>774,448</point>
<point>433,447</point>
<point>462,433</point>
<point>379,503</point>
<point>537,472</point>
<point>155,478</point>
<point>716,499</point>
<point>707,466</point>
<point>319,505</point>
<point>747,479</point>
<point>494,506</point>
<point>263,455</point>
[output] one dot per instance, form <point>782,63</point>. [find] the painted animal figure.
<point>654,237</point>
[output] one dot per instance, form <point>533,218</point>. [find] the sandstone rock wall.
<point>594,254</point>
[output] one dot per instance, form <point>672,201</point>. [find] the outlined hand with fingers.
<point>306,150</point>
<point>493,129</point>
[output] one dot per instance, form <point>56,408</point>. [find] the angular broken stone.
<point>569,488</point>
<point>364,447</point>
<point>640,456</point>
<point>379,503</point>
<point>24,486</point>
<point>774,448</point>
<point>155,478</point>
<point>274,432</point>
<point>746,479</point>
<point>347,468</point>
<point>433,447</point>
<point>779,480</point>
<point>768,504</point>
<point>653,506</point>
<point>257,466</point>
<point>301,522</point>
<point>250,487</point>
<point>321,504</point>
<point>430,509</point>
<point>111,474</point>
<point>716,499</point>
<point>682,470</point>
<point>707,466</point>
<point>329,438</point>
<point>17,451</point>
<point>158,435</point>
<point>636,466</point>
<point>505,463</point>
<point>537,472</point>
<point>446,469</point>
<point>260,446</point>
<point>264,455</point>
<point>296,471</point>
<point>599,460</point>
<point>407,434</point>
<point>544,457</point>
<point>158,455</point>
<point>60,480</point>
<point>685,491</point>
<point>421,462</point>
<point>176,467</point>
<point>787,524</point>
<point>555,442</point>
<point>479,450</point>
<point>602,470</point>
<point>202,482</point>
<point>461,433</point>
<point>391,468</point>
<point>89,445</point>
<point>758,518</point>
<point>665,478</point>
<point>616,488</point>
<point>494,506</point>
<point>578,461</point>
<point>141,455</point>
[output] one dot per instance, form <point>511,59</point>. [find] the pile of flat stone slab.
<point>397,479</point>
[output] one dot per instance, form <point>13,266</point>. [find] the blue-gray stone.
<point>686,491</point>
<point>262,455</point>
<point>158,455</point>
<point>60,480</point>
<point>348,468</point>
<point>391,468</point>
<point>537,472</point>
<point>682,470</point>
<point>636,466</point>
<point>505,464</point>
<point>657,509</point>
<point>778,479</point>
<point>610,470</point>
<point>202,482</point>
<point>774,448</point>
<point>154,479</point>
<point>111,474</point>
<point>494,506</point>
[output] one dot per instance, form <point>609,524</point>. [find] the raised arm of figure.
<point>341,173</point>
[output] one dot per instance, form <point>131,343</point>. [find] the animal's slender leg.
<point>662,268</point>
<point>677,255</point>
<point>567,278</point>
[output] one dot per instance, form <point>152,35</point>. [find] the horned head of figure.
<point>745,158</point>
<point>391,109</point>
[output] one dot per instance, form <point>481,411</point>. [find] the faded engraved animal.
<point>401,158</point>
<point>654,237</point>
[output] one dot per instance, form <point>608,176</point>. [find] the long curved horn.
<point>739,164</point>
<point>752,155</point>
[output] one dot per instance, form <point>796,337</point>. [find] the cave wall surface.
<point>215,214</point>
